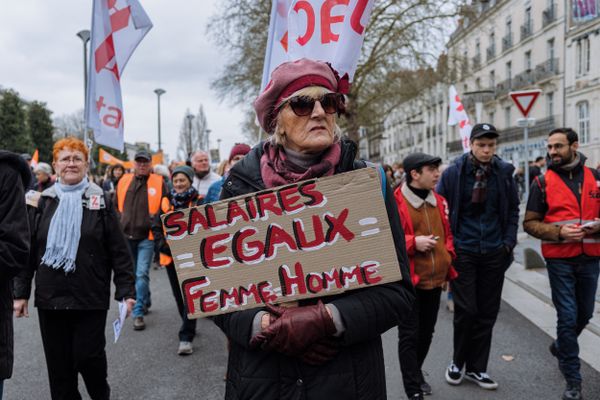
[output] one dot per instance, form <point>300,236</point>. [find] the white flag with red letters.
<point>458,115</point>
<point>324,30</point>
<point>118,26</point>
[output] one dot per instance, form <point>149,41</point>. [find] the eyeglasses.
<point>303,106</point>
<point>74,160</point>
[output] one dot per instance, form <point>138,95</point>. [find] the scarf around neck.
<point>276,169</point>
<point>65,227</point>
<point>182,200</point>
<point>482,172</point>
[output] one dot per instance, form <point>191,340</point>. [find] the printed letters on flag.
<point>331,31</point>
<point>458,115</point>
<point>118,26</point>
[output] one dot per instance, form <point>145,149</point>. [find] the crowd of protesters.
<point>453,229</point>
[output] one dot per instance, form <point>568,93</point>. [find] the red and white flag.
<point>323,30</point>
<point>458,115</point>
<point>118,26</point>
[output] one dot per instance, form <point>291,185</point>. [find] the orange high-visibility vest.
<point>563,209</point>
<point>154,189</point>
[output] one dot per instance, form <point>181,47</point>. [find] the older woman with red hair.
<point>76,246</point>
<point>328,348</point>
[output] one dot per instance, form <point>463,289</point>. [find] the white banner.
<point>325,30</point>
<point>458,115</point>
<point>118,26</point>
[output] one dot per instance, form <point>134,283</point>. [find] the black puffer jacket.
<point>14,246</point>
<point>102,251</point>
<point>358,371</point>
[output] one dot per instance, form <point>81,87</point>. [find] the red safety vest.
<point>563,209</point>
<point>155,194</point>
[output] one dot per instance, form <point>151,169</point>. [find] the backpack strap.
<point>541,182</point>
<point>381,175</point>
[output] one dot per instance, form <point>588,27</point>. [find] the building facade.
<point>511,45</point>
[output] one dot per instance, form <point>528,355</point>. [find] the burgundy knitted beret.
<point>239,149</point>
<point>288,78</point>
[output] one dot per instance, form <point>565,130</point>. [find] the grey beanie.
<point>184,169</point>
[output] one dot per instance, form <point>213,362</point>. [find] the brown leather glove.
<point>321,351</point>
<point>295,329</point>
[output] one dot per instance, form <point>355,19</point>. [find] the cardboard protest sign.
<point>314,238</point>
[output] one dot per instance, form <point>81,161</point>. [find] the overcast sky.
<point>42,58</point>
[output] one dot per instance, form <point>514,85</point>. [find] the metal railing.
<point>546,69</point>
<point>507,41</point>
<point>542,127</point>
<point>477,62</point>
<point>549,15</point>
<point>490,52</point>
<point>526,30</point>
<point>503,87</point>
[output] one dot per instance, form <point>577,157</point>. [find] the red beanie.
<point>239,149</point>
<point>288,78</point>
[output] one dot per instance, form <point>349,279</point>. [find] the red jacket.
<point>409,233</point>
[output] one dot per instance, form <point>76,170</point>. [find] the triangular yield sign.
<point>525,100</point>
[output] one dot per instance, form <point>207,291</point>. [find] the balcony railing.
<point>503,87</point>
<point>525,78</point>
<point>526,30</point>
<point>546,69</point>
<point>490,52</point>
<point>541,128</point>
<point>477,62</point>
<point>507,41</point>
<point>549,15</point>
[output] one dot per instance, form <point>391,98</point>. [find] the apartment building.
<point>509,45</point>
<point>582,76</point>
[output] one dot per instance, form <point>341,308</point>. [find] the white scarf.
<point>65,227</point>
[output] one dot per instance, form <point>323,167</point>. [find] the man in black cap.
<point>430,251</point>
<point>484,216</point>
<point>138,198</point>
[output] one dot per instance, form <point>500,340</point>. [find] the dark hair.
<point>387,168</point>
<point>571,135</point>
<point>538,159</point>
<point>409,176</point>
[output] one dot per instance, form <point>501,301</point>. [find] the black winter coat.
<point>357,372</point>
<point>15,175</point>
<point>102,251</point>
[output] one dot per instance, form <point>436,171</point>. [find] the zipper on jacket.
<point>431,233</point>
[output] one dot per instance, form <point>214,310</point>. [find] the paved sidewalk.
<point>528,291</point>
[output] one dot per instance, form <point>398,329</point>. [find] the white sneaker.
<point>482,379</point>
<point>185,348</point>
<point>454,375</point>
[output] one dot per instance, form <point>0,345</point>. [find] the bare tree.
<point>193,134</point>
<point>402,36</point>
<point>72,124</point>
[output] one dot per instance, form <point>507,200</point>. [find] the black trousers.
<point>414,338</point>
<point>477,296</point>
<point>187,331</point>
<point>74,344</point>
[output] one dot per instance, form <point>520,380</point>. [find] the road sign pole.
<point>526,142</point>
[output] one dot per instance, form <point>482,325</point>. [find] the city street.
<point>144,365</point>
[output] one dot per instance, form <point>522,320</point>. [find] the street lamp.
<point>84,35</point>
<point>159,92</point>
<point>219,148</point>
<point>189,117</point>
<point>207,144</point>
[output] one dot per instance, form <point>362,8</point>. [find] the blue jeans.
<point>573,294</point>
<point>142,251</point>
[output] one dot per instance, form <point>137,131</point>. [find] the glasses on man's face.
<point>303,106</point>
<point>69,160</point>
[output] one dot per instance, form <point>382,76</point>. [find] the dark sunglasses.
<point>303,106</point>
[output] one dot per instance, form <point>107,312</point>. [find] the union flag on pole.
<point>118,26</point>
<point>458,115</point>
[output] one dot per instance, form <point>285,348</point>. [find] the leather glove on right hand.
<point>296,329</point>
